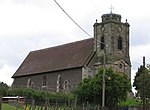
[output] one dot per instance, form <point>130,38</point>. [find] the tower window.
<point>102,43</point>
<point>120,43</point>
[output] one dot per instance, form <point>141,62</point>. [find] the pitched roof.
<point>61,57</point>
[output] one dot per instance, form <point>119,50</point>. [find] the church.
<point>63,67</point>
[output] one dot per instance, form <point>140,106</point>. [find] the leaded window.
<point>102,42</point>
<point>119,43</point>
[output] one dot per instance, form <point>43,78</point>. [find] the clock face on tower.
<point>102,29</point>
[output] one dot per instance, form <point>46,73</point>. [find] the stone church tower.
<point>112,36</point>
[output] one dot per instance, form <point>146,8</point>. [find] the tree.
<point>142,83</point>
<point>3,88</point>
<point>117,87</point>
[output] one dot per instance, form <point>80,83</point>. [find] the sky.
<point>27,25</point>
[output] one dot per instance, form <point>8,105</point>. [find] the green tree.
<point>117,87</point>
<point>142,84</point>
<point>3,88</point>
<point>142,81</point>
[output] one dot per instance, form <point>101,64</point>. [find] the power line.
<point>72,19</point>
<point>77,23</point>
<point>94,5</point>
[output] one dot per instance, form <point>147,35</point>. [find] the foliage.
<point>41,96</point>
<point>117,87</point>
<point>142,82</point>
<point>131,102</point>
<point>3,88</point>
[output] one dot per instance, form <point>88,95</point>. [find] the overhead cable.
<point>77,23</point>
<point>72,19</point>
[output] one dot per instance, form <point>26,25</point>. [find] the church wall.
<point>89,69</point>
<point>92,68</point>
<point>20,82</point>
<point>73,76</point>
<point>128,71</point>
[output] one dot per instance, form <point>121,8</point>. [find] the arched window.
<point>119,43</point>
<point>44,81</point>
<point>65,86</point>
<point>58,83</point>
<point>32,85</point>
<point>28,83</point>
<point>102,42</point>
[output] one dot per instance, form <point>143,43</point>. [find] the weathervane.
<point>111,8</point>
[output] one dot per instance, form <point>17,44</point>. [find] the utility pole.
<point>144,97</point>
<point>144,62</point>
<point>104,71</point>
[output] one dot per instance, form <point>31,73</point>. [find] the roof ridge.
<point>58,46</point>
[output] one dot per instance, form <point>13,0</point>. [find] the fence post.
<point>83,107</point>
<point>75,102</point>
<point>0,102</point>
<point>17,102</point>
<point>98,108</point>
<point>46,105</point>
<point>33,103</point>
<point>87,106</point>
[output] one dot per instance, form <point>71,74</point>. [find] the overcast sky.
<point>27,25</point>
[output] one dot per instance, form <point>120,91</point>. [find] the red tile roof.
<point>61,57</point>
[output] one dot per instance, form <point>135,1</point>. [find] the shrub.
<point>41,96</point>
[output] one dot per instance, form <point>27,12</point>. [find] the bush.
<point>41,96</point>
<point>131,102</point>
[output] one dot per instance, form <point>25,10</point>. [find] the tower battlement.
<point>111,17</point>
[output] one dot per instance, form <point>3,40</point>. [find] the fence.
<point>72,106</point>
<point>32,105</point>
<point>62,106</point>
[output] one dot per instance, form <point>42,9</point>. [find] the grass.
<point>9,107</point>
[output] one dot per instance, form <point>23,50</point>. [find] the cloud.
<point>7,72</point>
<point>140,32</point>
<point>23,19</point>
<point>137,53</point>
<point>37,3</point>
